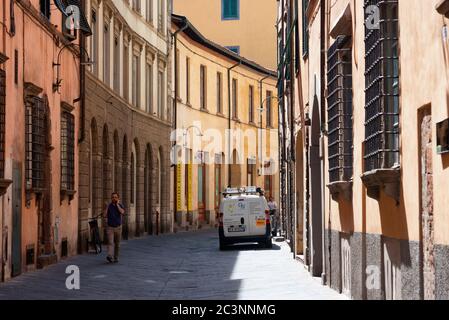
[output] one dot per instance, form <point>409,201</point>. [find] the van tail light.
<point>267,217</point>
<point>220,219</point>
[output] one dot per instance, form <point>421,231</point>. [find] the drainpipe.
<point>82,71</point>
<point>175,116</point>
<point>260,116</point>
<point>229,120</point>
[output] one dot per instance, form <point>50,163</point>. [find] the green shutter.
<point>230,9</point>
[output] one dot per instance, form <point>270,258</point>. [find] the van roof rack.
<point>243,190</point>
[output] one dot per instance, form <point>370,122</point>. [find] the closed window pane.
<point>203,88</point>
<point>230,9</point>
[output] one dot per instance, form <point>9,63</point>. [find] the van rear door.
<point>257,217</point>
<point>236,217</point>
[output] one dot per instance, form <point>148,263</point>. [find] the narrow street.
<point>185,265</point>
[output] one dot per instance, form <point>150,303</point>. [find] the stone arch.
<point>299,217</point>
<point>159,183</point>
<point>106,167</point>
<point>148,189</point>
<point>125,186</point>
<point>116,162</point>
<point>139,201</point>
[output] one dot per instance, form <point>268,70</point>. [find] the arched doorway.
<point>299,217</point>
<point>236,170</point>
<point>316,218</point>
<point>158,195</point>
<point>106,171</point>
<point>148,190</point>
<point>116,163</point>
<point>125,188</point>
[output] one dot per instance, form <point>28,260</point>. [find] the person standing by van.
<point>114,214</point>
<point>273,207</point>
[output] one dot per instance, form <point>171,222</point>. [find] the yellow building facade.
<point>223,137</point>
<point>246,26</point>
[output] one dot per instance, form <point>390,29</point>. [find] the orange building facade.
<point>40,107</point>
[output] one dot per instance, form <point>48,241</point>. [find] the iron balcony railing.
<point>340,118</point>
<point>382,88</point>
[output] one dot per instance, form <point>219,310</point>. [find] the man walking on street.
<point>272,205</point>
<point>114,213</point>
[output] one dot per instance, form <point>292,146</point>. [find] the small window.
<point>160,94</point>
<point>234,99</point>
<point>67,151</point>
<point>230,9</point>
<point>94,41</point>
<point>136,5</point>
<point>149,11</point>
<point>136,81</point>
<point>149,88</point>
<point>203,87</point>
<point>188,80</point>
<point>45,8</point>
<point>106,51</point>
<point>116,65</point>
<point>126,72</point>
<point>235,49</point>
<point>219,92</point>
<point>269,109</point>
<point>178,95</point>
<point>251,104</point>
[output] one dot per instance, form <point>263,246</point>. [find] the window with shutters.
<point>67,151</point>
<point>251,104</point>
<point>305,28</point>
<point>382,89</point>
<point>203,87</point>
<point>149,88</point>
<point>268,98</point>
<point>339,102</point>
<point>219,93</point>
<point>45,8</point>
<point>188,80</point>
<point>36,136</point>
<point>230,9</point>
<point>235,114</point>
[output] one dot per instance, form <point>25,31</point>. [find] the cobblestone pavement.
<point>186,265</point>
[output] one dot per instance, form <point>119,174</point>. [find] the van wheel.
<point>222,245</point>
<point>268,243</point>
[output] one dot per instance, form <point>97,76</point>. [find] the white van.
<point>244,217</point>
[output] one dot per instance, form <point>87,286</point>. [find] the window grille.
<point>67,151</point>
<point>36,143</point>
<point>382,88</point>
<point>305,28</point>
<point>339,110</point>
<point>2,122</point>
